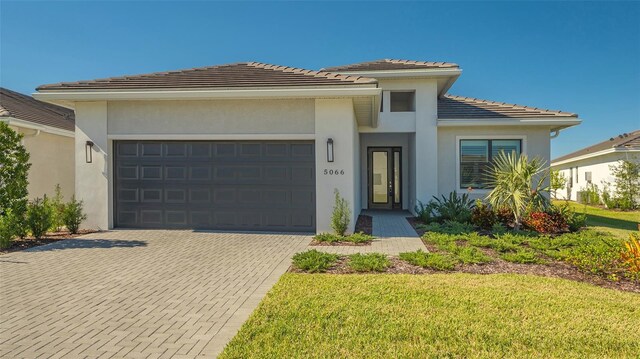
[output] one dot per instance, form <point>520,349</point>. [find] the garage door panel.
<point>241,185</point>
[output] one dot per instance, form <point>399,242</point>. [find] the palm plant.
<point>519,184</point>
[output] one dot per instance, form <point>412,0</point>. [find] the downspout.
<point>554,133</point>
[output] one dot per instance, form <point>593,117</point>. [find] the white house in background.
<point>591,165</point>
<point>48,137</point>
<point>252,146</point>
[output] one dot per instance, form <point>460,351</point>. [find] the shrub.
<point>524,256</point>
<point>505,217</point>
<point>72,215</point>
<point>574,220</point>
<point>631,253</point>
<point>518,184</point>
<point>483,216</point>
<point>546,222</point>
<point>314,261</point>
<point>359,237</point>
<point>14,171</point>
<point>453,208</point>
<point>448,227</point>
<point>327,237</point>
<point>590,194</point>
<point>627,183</point>
<point>592,251</point>
<point>425,211</point>
<point>498,228</point>
<point>435,261</point>
<point>7,229</point>
<point>39,216</point>
<point>58,210</point>
<point>465,254</point>
<point>372,262</point>
<point>341,215</point>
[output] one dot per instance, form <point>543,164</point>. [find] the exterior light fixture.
<point>88,151</point>
<point>330,150</point>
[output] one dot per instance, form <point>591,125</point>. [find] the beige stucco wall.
<point>536,143</point>
<point>52,162</point>
<point>213,116</point>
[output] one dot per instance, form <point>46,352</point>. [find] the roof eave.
<point>594,154</point>
<point>36,126</point>
<point>67,97</point>
<point>555,124</point>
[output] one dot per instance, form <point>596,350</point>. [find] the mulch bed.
<point>364,224</point>
<point>20,244</point>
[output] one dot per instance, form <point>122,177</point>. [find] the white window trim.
<point>523,150</point>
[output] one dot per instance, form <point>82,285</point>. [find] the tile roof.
<point>242,74</point>
<point>26,108</point>
<point>629,140</point>
<point>392,64</point>
<point>458,107</point>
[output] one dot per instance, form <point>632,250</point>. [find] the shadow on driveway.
<point>78,243</point>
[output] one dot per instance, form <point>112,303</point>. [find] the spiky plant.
<point>519,184</point>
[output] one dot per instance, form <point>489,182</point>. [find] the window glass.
<point>403,101</point>
<point>477,156</point>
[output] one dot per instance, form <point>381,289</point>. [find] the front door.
<point>384,177</point>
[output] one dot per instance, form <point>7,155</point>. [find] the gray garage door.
<point>237,185</point>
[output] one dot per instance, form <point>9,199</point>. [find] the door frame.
<point>391,203</point>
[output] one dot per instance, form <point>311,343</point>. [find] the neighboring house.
<point>251,146</point>
<point>48,137</point>
<point>592,165</point>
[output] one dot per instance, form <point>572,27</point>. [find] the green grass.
<point>372,262</point>
<point>617,222</point>
<point>439,316</point>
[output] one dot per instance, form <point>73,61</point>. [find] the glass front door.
<point>385,182</point>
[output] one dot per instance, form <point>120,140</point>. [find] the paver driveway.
<point>140,294</point>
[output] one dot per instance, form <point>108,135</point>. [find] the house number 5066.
<point>333,172</point>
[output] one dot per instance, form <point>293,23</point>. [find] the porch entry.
<point>384,177</point>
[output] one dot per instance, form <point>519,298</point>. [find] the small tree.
<point>72,215</point>
<point>627,183</point>
<point>518,184</point>
<point>58,208</point>
<point>39,216</point>
<point>557,181</point>
<point>341,215</point>
<point>14,171</point>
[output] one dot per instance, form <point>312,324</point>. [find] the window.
<point>403,101</point>
<point>476,157</point>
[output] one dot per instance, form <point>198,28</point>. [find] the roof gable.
<point>16,105</point>
<point>458,107</point>
<point>243,74</point>
<point>391,64</point>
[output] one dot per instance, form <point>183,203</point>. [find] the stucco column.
<point>335,119</point>
<point>92,179</point>
<point>426,142</point>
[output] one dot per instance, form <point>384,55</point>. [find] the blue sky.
<point>582,57</point>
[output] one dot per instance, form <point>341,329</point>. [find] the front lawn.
<point>620,223</point>
<point>441,315</point>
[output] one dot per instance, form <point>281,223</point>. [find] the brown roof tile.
<point>244,74</point>
<point>629,140</point>
<point>391,64</point>
<point>26,108</point>
<point>458,107</point>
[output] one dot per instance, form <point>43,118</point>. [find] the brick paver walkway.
<point>137,294</point>
<point>393,234</point>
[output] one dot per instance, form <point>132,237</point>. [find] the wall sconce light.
<point>330,150</point>
<point>88,151</point>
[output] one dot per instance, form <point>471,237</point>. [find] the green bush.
<point>327,238</point>
<point>57,206</point>
<point>314,261</point>
<point>522,255</point>
<point>448,227</point>
<point>425,211</point>
<point>7,229</point>
<point>73,215</point>
<point>372,262</point>
<point>14,171</point>
<point>39,216</point>
<point>590,194</point>
<point>441,209</point>
<point>498,228</point>
<point>358,237</point>
<point>483,216</point>
<point>341,215</point>
<point>435,261</point>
